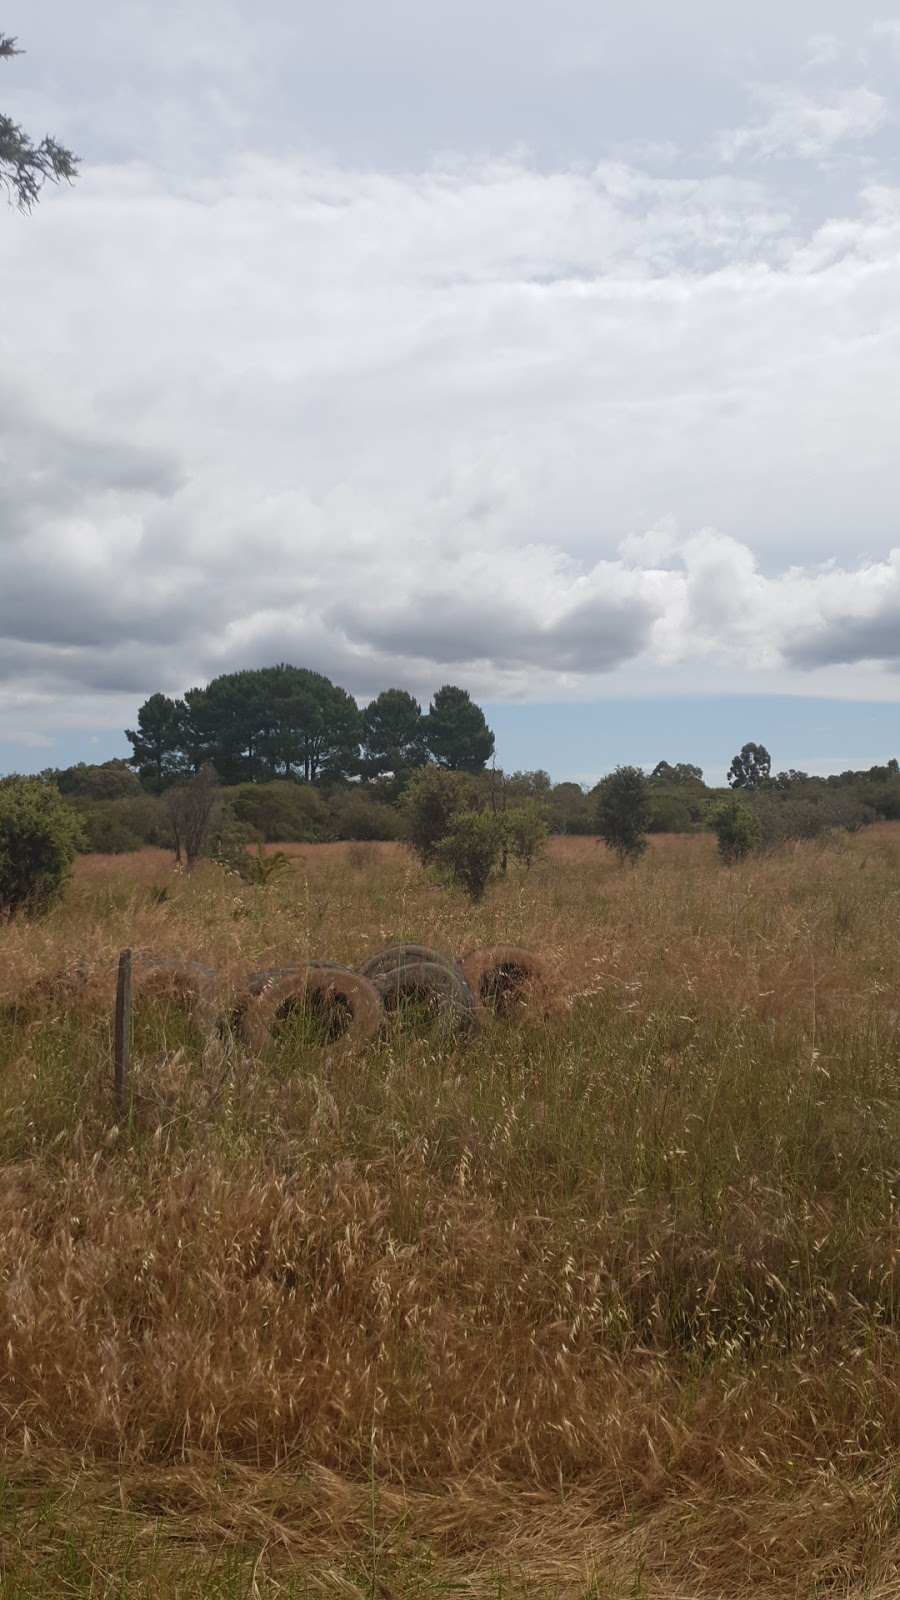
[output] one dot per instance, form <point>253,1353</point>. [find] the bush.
<point>356,816</point>
<point>113,827</point>
<point>228,839</point>
<point>570,809</point>
<point>113,780</point>
<point>668,812</point>
<point>39,839</point>
<point>808,814</point>
<point>622,812</point>
<point>470,850</point>
<point>737,828</point>
<point>430,801</point>
<point>526,831</point>
<point>281,811</point>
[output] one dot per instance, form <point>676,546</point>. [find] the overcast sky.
<point>552,350</point>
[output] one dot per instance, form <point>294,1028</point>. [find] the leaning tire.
<point>441,986</point>
<point>507,979</point>
<point>350,1006</point>
<point>402,955</point>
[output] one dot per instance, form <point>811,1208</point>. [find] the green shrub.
<point>570,810</point>
<point>737,827</point>
<point>668,812</point>
<point>39,839</point>
<point>228,840</point>
<point>809,813</point>
<point>281,811</point>
<point>429,803</point>
<point>470,849</point>
<point>356,816</point>
<point>621,803</point>
<point>113,780</point>
<point>113,827</point>
<point>526,830</point>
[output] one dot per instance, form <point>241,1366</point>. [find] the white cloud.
<point>547,427</point>
<point>822,50</point>
<point>801,126</point>
<point>887,33</point>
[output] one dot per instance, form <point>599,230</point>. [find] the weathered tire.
<point>507,979</point>
<point>349,1000</point>
<point>432,981</point>
<point>401,955</point>
<point>255,982</point>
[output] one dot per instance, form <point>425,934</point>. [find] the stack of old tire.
<point>353,1004</point>
<point>347,1005</point>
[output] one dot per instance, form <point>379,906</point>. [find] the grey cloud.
<point>65,672</point>
<point>593,637</point>
<point>54,464</point>
<point>40,604</point>
<point>844,641</point>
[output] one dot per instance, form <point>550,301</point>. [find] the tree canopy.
<point>284,721</point>
<point>750,768</point>
<point>393,733</point>
<point>621,812</point>
<point>683,772</point>
<point>456,732</point>
<point>251,726</point>
<point>25,166</point>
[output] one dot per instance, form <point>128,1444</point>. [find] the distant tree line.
<point>293,759</point>
<point>288,722</point>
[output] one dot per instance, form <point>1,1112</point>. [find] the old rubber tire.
<point>401,955</point>
<point>442,986</point>
<point>354,1004</point>
<point>507,979</point>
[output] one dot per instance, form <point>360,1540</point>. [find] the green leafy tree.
<point>683,772</point>
<point>40,835</point>
<point>197,734</point>
<point>111,780</point>
<point>737,827</point>
<point>751,768</point>
<point>622,812</point>
<point>252,726</point>
<point>157,742</point>
<point>393,733</point>
<point>470,849</point>
<point>25,166</point>
<point>526,830</point>
<point>456,732</point>
<point>430,801</point>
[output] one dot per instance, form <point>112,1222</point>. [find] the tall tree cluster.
<point>290,722</point>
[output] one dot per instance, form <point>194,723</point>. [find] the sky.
<point>552,350</point>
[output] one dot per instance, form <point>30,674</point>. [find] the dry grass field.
<point>595,1304</point>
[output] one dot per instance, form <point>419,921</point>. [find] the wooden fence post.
<point>123,1026</point>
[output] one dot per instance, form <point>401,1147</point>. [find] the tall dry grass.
<point>608,1298</point>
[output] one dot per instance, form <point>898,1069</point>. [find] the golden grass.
<point>601,1304</point>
